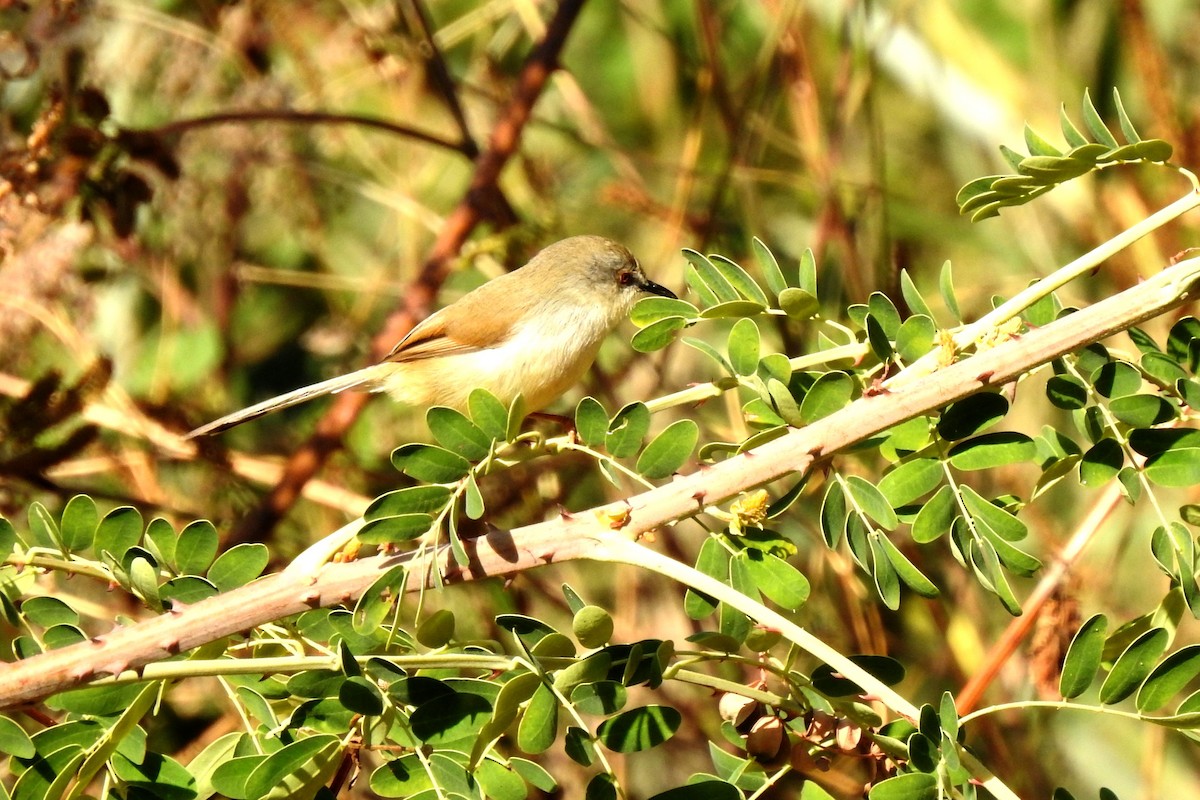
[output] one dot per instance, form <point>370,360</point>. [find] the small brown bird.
<point>533,331</point>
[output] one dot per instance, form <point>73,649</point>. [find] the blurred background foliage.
<point>204,263</point>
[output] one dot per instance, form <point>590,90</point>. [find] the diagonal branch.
<point>591,534</point>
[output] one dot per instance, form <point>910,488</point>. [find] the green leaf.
<point>733,308</point>
<point>410,500</point>
<point>639,728</point>
<point>401,777</point>
<point>1162,367</point>
<point>909,786</point>
<point>740,280</point>
<point>1142,410</point>
<point>986,565</point>
<point>96,700</point>
<point>935,516</point>
<point>911,480</point>
<point>782,403</point>
<point>1134,665</point>
<point>1174,468</point>
<point>43,528</point>
<point>144,578</point>
<point>832,684</point>
<point>708,789</point>
<point>878,340</point>
<point>798,304</point>
<point>778,580</point>
<point>916,337</point>
<point>657,335</point>
<point>591,422</point>
<point>488,413</point>
<point>997,520</point>
<point>239,565</point>
<point>834,514</point>
<point>452,718</point>
<point>539,726</point>
<point>1101,463</point>
<point>1169,678</point>
<point>776,282</point>
<point>601,786</point>
<point>713,561</point>
<point>1067,392</point>
<point>702,271</point>
<point>425,462</point>
<point>912,296</point>
<point>160,540</point>
<point>297,770</point>
<point>396,528</point>
<point>1082,661</point>
<point>120,530</point>
<point>653,309</point>
<point>992,450</point>
<point>872,502</point>
<point>946,288</point>
<point>1037,145</point>
<point>1127,130</point>
<point>599,697</point>
<point>79,521</point>
<point>473,499</point>
<point>743,347</point>
<point>14,740</point>
<point>1154,442</point>
<point>627,430</point>
<point>905,569</point>
<point>831,392</point>
<point>499,782</point>
<point>458,434</point>
<point>534,774</point>
<point>882,308</point>
<point>196,548</point>
<point>1095,125</point>
<point>8,538</point>
<point>668,451</point>
<point>153,774</point>
<point>1070,132</point>
<point>379,602</point>
<point>887,582</point>
<point>971,415</point>
<point>1117,379</point>
<point>361,696</point>
<point>47,612</point>
<point>806,277</point>
<point>709,351</point>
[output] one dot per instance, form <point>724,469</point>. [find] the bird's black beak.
<point>647,285</point>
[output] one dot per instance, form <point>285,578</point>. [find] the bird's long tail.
<point>366,378</point>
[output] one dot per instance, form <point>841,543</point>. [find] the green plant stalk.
<point>970,333</point>
<point>1065,705</point>
<point>286,665</point>
<point>619,550</point>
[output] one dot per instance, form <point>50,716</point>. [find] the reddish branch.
<point>472,209</point>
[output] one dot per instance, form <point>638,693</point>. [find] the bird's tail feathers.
<point>360,378</point>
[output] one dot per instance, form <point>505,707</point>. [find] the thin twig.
<point>180,126</point>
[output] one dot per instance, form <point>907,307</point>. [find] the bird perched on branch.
<point>533,331</point>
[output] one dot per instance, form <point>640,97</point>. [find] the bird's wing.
<point>468,326</point>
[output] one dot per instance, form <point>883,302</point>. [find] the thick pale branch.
<point>584,535</point>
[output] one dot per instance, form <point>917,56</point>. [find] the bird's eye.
<point>625,278</point>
